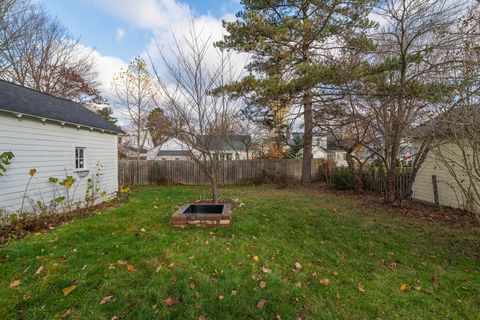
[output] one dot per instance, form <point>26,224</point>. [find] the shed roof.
<point>21,100</point>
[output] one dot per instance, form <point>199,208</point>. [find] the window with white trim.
<point>79,158</point>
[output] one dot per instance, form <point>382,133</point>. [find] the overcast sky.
<point>119,30</point>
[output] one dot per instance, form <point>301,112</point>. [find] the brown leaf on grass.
<point>418,288</point>
<point>107,299</point>
<point>170,301</point>
<point>131,268</point>
<point>261,303</point>
<point>39,270</point>
<point>303,315</point>
<point>115,318</point>
<point>202,318</point>
<point>220,297</point>
<point>66,314</point>
<point>392,265</point>
<point>298,265</point>
<point>325,282</point>
<point>361,287</point>
<point>192,285</point>
<point>403,287</point>
<point>256,258</point>
<point>158,269</point>
<point>435,280</point>
<point>266,270</point>
<point>68,290</point>
<point>213,277</point>
<point>15,283</point>
<point>171,265</point>
<point>262,284</point>
<point>122,262</point>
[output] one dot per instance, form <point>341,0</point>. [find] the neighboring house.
<point>230,147</point>
<point>172,149</point>
<point>449,175</point>
<point>319,144</point>
<point>58,138</point>
<point>132,153</point>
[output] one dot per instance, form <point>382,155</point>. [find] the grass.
<point>332,237</point>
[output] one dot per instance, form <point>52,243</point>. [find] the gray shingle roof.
<point>18,99</point>
<point>230,142</point>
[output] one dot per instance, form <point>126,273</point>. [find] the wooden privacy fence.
<point>377,182</point>
<point>144,172</point>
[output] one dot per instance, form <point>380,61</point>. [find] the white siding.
<point>50,148</point>
<point>449,193</point>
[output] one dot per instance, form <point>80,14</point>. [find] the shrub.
<point>160,177</point>
<point>342,179</point>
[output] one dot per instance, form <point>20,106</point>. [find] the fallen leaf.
<point>66,314</point>
<point>418,288</point>
<point>122,262</point>
<point>15,283</point>
<point>392,266</point>
<point>84,267</point>
<point>262,284</point>
<point>303,315</point>
<point>170,301</point>
<point>261,303</point>
<point>202,318</point>
<point>325,282</point>
<point>234,292</point>
<point>171,265</point>
<point>39,270</point>
<point>115,318</point>
<point>266,270</point>
<point>158,269</point>
<point>361,287</point>
<point>68,290</point>
<point>403,287</point>
<point>131,268</point>
<point>256,258</point>
<point>221,297</point>
<point>298,265</point>
<point>107,299</point>
<point>143,230</point>
<point>192,285</point>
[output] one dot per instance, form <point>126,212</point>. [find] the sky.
<point>119,30</point>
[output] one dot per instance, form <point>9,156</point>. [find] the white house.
<point>58,138</point>
<point>229,147</point>
<point>172,149</point>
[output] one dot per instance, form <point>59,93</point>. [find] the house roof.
<point>134,149</point>
<point>21,100</point>
<point>455,120</point>
<point>230,142</point>
<point>173,153</point>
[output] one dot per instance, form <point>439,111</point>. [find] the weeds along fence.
<point>145,172</point>
<point>373,180</point>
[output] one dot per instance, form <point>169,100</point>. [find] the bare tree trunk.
<point>356,176</point>
<point>215,189</point>
<point>307,139</point>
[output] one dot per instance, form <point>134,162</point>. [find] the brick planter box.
<point>186,216</point>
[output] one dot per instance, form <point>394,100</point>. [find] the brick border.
<point>202,220</point>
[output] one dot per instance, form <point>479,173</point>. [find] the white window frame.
<point>75,158</point>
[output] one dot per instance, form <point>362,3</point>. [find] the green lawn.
<point>214,272</point>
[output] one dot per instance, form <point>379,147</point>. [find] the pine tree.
<point>293,45</point>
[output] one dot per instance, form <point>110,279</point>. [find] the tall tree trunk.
<point>307,138</point>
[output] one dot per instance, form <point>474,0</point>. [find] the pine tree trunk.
<point>307,138</point>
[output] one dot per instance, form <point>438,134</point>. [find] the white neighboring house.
<point>228,147</point>
<point>58,138</point>
<point>172,149</point>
